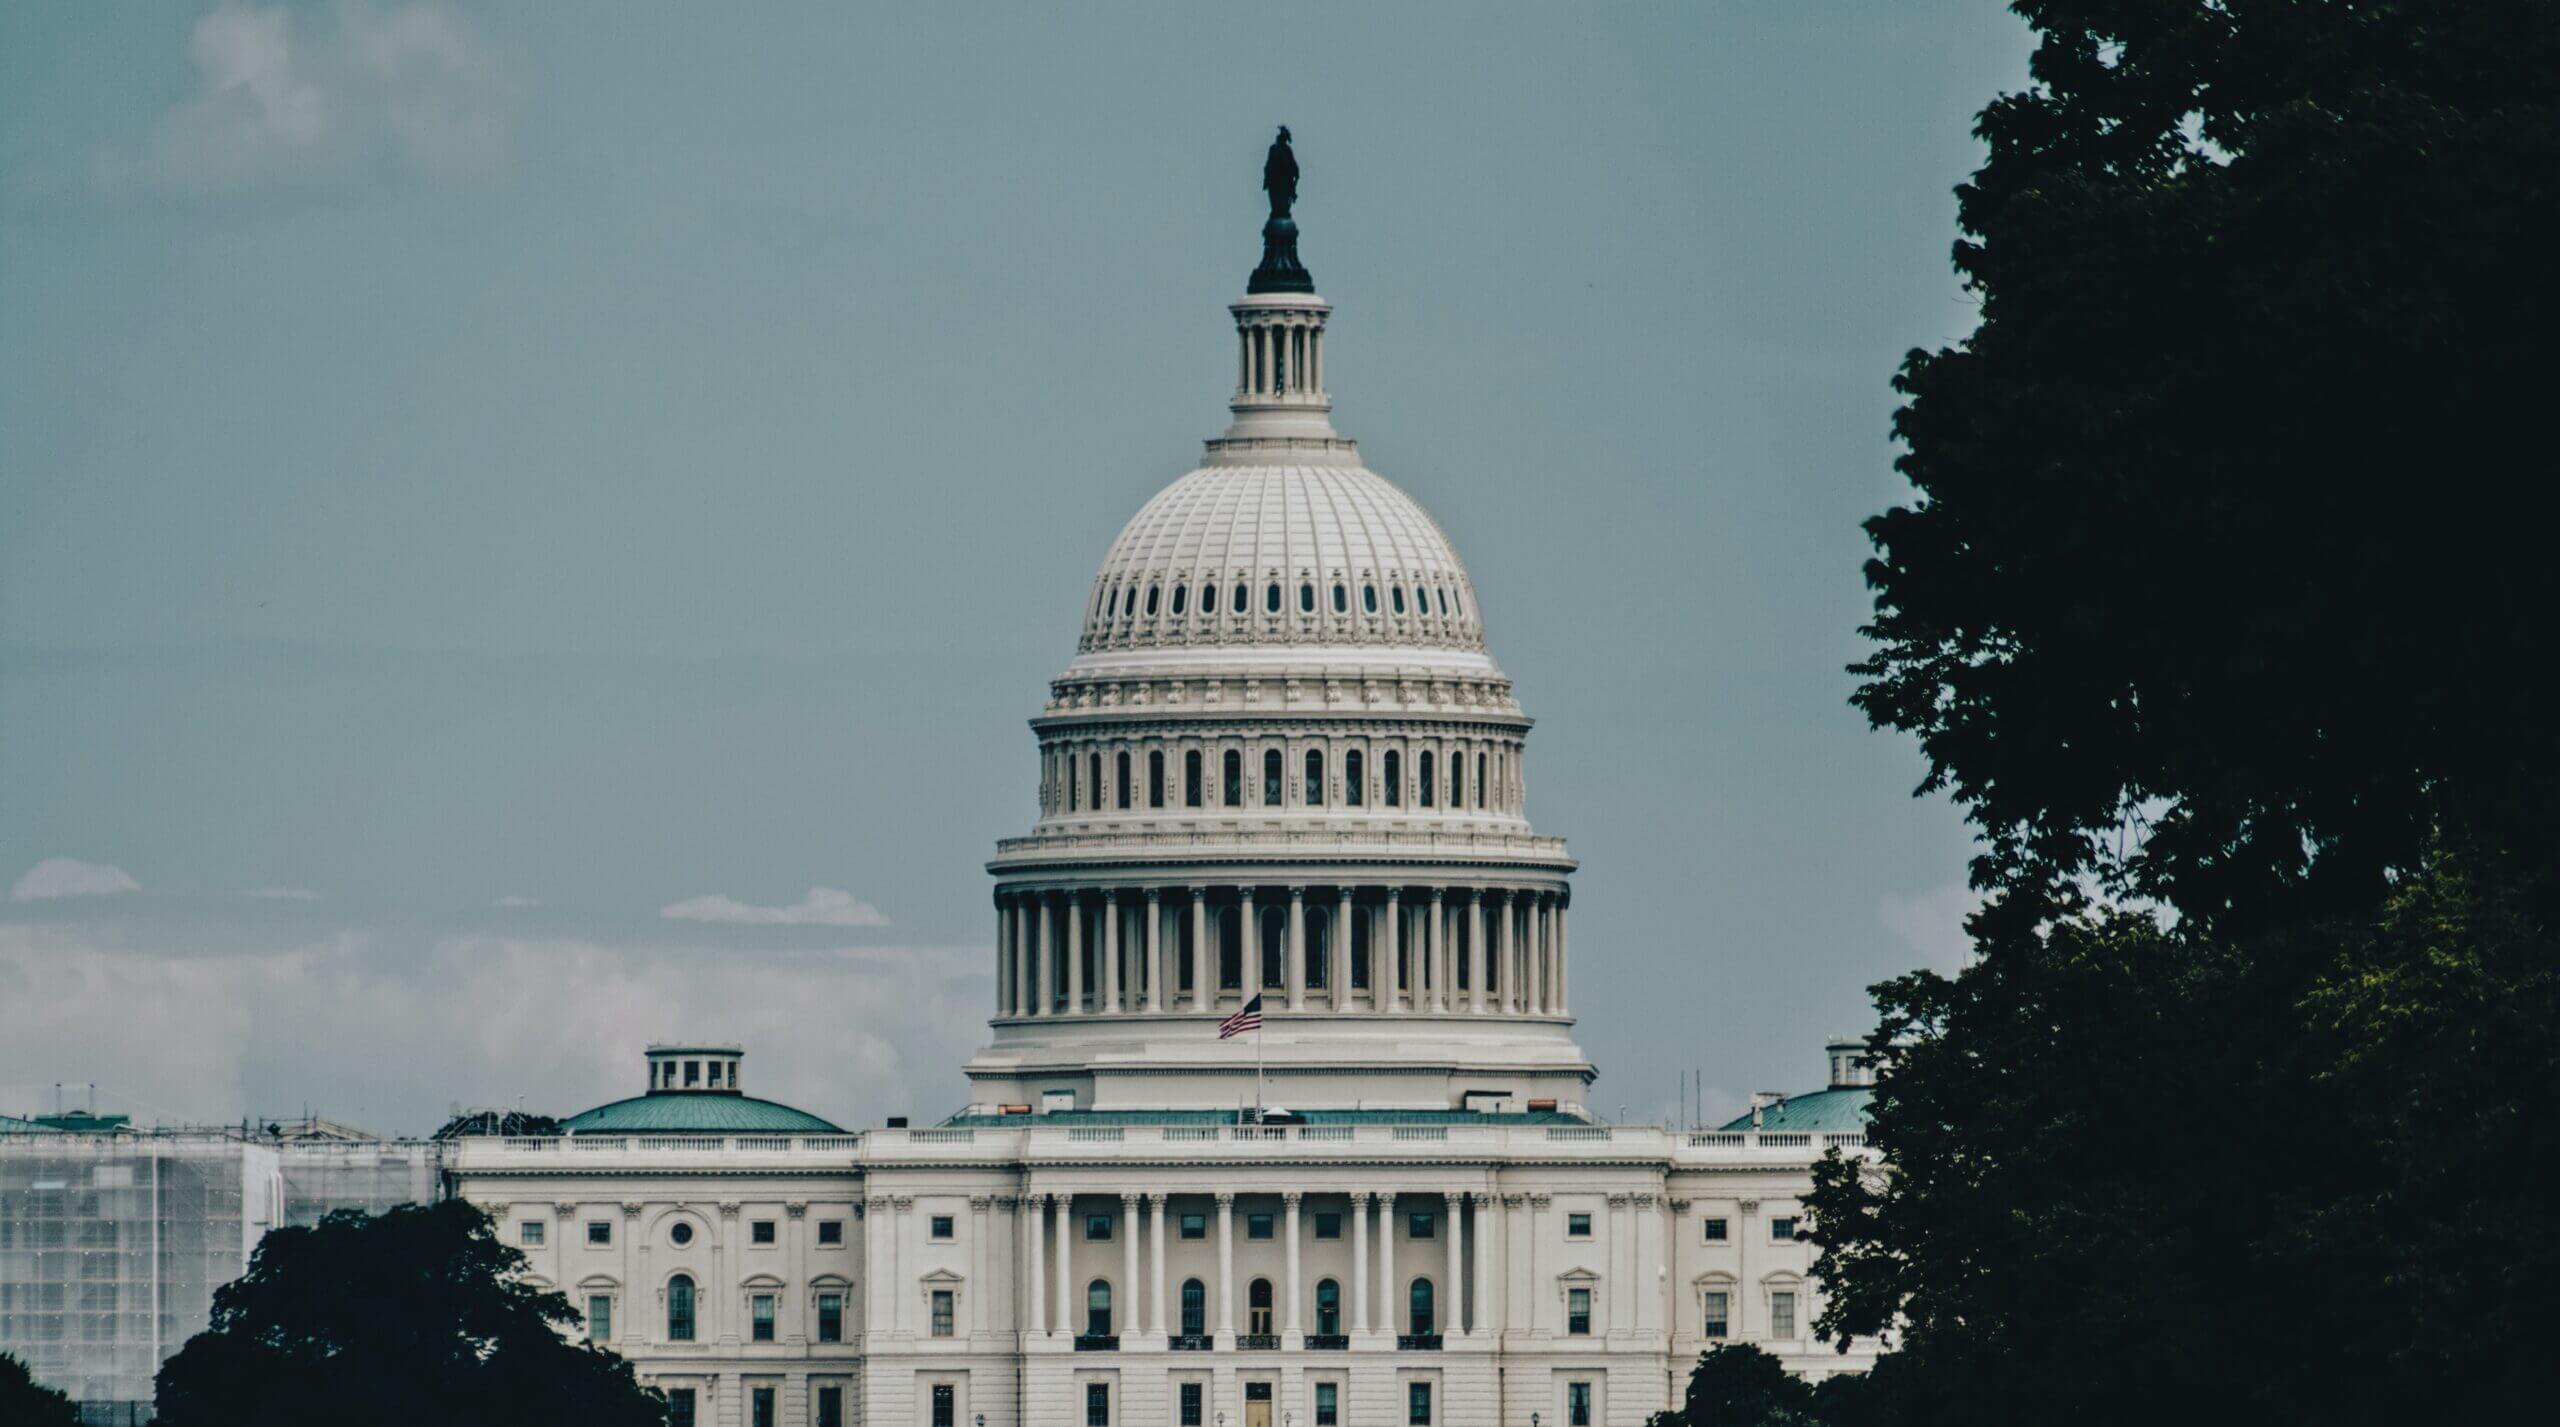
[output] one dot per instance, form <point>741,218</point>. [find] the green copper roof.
<point>1831,1111</point>
<point>696,1114</point>
<point>12,1125</point>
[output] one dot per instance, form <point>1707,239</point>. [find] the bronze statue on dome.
<point>1280,175</point>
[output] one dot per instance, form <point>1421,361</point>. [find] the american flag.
<point>1248,1019</point>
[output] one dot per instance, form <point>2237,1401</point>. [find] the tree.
<point>416,1316</point>
<point>1739,1385</point>
<point>2219,612</point>
<point>25,1402</point>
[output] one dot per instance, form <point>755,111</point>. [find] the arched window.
<point>1420,1320</point>
<point>1121,767</point>
<point>1398,592</point>
<point>1444,601</point>
<point>1208,597</point>
<point>1071,783</point>
<point>1421,600</point>
<point>1354,789</point>
<point>1319,948</point>
<point>1429,785</point>
<point>1369,599</point>
<point>1479,780</point>
<point>1458,602</point>
<point>1275,945</point>
<point>680,1309</point>
<point>1195,1308</point>
<point>1328,1308</point>
<point>1234,771</point>
<point>1341,600</point>
<point>1093,762</point>
<point>1191,779</point>
<point>1238,604</point>
<point>1111,606</point>
<point>1393,767</point>
<point>1177,598</point>
<point>1457,780</point>
<point>1315,778</point>
<point>1257,1306</point>
<point>1271,598</point>
<point>1306,599</point>
<point>1155,778</point>
<point>1230,950</point>
<point>1360,950</point>
<point>1097,1309</point>
<point>1271,777</point>
<point>1152,591</point>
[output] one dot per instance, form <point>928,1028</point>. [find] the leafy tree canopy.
<point>25,1402</point>
<point>418,1316</point>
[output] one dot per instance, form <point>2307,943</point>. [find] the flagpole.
<point>1257,1070</point>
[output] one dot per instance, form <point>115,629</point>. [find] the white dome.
<point>1344,556</point>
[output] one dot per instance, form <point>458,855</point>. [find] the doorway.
<point>1257,1404</point>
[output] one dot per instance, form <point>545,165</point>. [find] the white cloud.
<point>823,907</point>
<point>1932,924</point>
<point>71,877</point>
<point>283,894</point>
<point>280,98</point>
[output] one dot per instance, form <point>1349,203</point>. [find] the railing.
<point>1190,1343</point>
<point>1719,1139</point>
<point>1329,837</point>
<point>1422,1132</point>
<point>1328,1342</point>
<point>1578,1132</point>
<point>1324,1132</point>
<point>1258,1132</point>
<point>696,1144</point>
<point>1191,1132</point>
<point>1257,1342</point>
<point>1848,1140</point>
<point>681,1142</point>
<point>763,1142</point>
<point>1417,1342</point>
<point>1103,1134</point>
<point>943,1137</point>
<point>1785,1140</point>
<point>1097,1342</point>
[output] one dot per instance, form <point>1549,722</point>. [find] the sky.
<point>527,530</point>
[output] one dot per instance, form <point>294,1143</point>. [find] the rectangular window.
<point>1192,1396</point>
<point>1155,780</point>
<point>830,1232</point>
<point>1577,1226</point>
<point>680,1407</point>
<point>946,1405</point>
<point>830,1317</point>
<point>1195,1226</point>
<point>1417,1404</point>
<point>599,1231</point>
<point>1097,1227</point>
<point>1328,1405</point>
<point>1577,1404</point>
<point>1257,1226</point>
<point>760,1231</point>
<point>1782,1230</point>
<point>529,1232</point>
<point>1577,1312</point>
<point>599,1317</point>
<point>1422,1226</point>
<point>942,1313</point>
<point>1328,1226</point>
<point>1718,1320</point>
<point>1714,1231</point>
<point>830,1407</point>
<point>760,1403</point>
<point>942,1228</point>
<point>1097,1404</point>
<point>760,1315</point>
<point>1782,1314</point>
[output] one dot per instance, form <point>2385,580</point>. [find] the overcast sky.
<point>528,529</point>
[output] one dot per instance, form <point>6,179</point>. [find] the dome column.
<point>1435,937</point>
<point>1075,953</point>
<point>1044,970</point>
<point>1249,956</point>
<point>1155,951</point>
<point>1510,998</point>
<point>1294,973</point>
<point>1564,977</point>
<point>1108,994</point>
<point>1338,953</point>
<point>1199,948</point>
<point>1004,957</point>
<point>1477,964</point>
<point>1386,980</point>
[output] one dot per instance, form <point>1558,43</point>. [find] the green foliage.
<point>25,1402</point>
<point>1738,1385</point>
<point>2220,614</point>
<point>418,1316</point>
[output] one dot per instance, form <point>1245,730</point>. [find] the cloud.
<point>519,901</point>
<point>389,1029</point>
<point>1932,924</point>
<point>277,99</point>
<point>283,894</point>
<point>71,877</point>
<point>823,907</point>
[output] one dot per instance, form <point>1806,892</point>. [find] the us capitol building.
<point>1283,765</point>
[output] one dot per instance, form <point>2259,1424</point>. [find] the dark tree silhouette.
<point>417,1316</point>
<point>25,1402</point>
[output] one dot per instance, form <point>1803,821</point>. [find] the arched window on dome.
<point>1421,600</point>
<point>1155,778</point>
<point>1093,765</point>
<point>1152,591</point>
<point>1071,782</point>
<point>1369,599</point>
<point>1177,599</point>
<point>1398,592</point>
<point>1306,597</point>
<point>1444,601</point>
<point>1208,597</point>
<point>680,1309</point>
<point>1271,791</point>
<point>1354,788</point>
<point>1120,766</point>
<point>1238,604</point>
<point>1479,782</point>
<point>1458,602</point>
<point>1315,778</point>
<point>1111,605</point>
<point>1341,600</point>
<point>1392,769</point>
<point>1234,780</point>
<point>1457,781</point>
<point>1274,931</point>
<point>1191,779</point>
<point>1430,786</point>
<point>1230,950</point>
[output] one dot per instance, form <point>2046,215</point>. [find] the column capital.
<point>797,1209</point>
<point>1512,1201</point>
<point>1360,1198</point>
<point>1619,1201</point>
<point>564,1210</point>
<point>1436,894</point>
<point>631,1210</point>
<point>981,1203</point>
<point>1475,894</point>
<point>1297,894</point>
<point>1290,1197</point>
<point>1642,1201</point>
<point>1153,893</point>
<point>729,1209</point>
<point>1678,1206</point>
<point>1540,1202</point>
<point>1110,895</point>
<point>1508,893</point>
<point>1244,891</point>
<point>1226,1198</point>
<point>1394,895</point>
<point>1130,1197</point>
<point>1157,1198</point>
<point>1199,894</point>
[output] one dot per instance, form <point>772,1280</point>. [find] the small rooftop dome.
<point>693,1089</point>
<point>694,1068</point>
<point>1850,1068</point>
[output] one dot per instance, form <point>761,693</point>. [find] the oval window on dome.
<point>1208,599</point>
<point>1306,599</point>
<point>1458,602</point>
<point>1111,607</point>
<point>1271,599</point>
<point>1177,599</point>
<point>1151,601</point>
<point>1369,599</point>
<point>1237,604</point>
<point>1421,600</point>
<point>1398,592</point>
<point>1444,602</point>
<point>1341,600</point>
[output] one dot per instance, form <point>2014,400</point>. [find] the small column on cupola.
<point>1280,324</point>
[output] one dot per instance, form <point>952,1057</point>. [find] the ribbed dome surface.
<point>1322,554</point>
